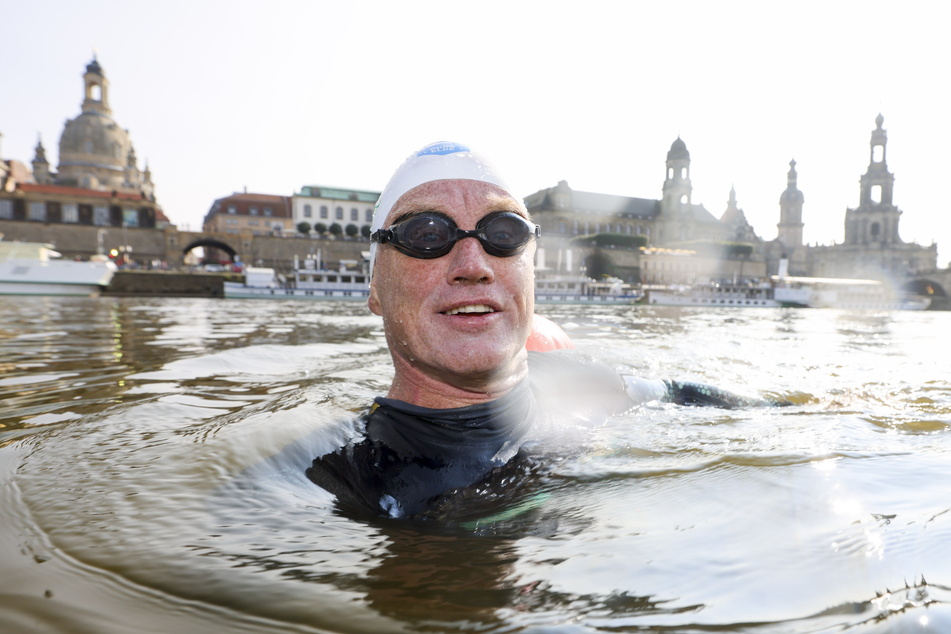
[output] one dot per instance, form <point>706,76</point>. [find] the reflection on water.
<point>152,456</point>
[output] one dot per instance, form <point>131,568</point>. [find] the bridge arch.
<point>926,287</point>
<point>212,244</point>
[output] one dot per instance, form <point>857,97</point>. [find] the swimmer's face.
<point>464,317</point>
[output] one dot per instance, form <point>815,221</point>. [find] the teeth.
<point>474,308</point>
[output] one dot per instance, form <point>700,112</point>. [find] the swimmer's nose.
<point>469,263</point>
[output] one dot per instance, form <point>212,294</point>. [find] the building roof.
<point>64,190</point>
<point>592,202</point>
<point>280,205</point>
<point>337,193</point>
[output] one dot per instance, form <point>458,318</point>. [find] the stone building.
<point>671,225</point>
<point>258,214</point>
<point>350,209</point>
<point>872,246</point>
<point>97,181</point>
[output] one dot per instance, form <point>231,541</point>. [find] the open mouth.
<point>473,309</point>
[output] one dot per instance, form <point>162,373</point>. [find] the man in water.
<point>452,275</point>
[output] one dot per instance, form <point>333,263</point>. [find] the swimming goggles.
<point>431,235</point>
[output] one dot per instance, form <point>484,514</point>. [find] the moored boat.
<point>310,281</point>
<point>33,268</point>
<point>579,289</point>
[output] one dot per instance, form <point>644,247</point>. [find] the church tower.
<point>97,89</point>
<point>875,220</point>
<point>94,151</point>
<point>677,187</point>
<point>790,211</point>
<point>41,166</point>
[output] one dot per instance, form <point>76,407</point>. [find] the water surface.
<point>152,455</point>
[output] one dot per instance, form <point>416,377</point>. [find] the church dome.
<point>94,151</point>
<point>93,144</point>
<point>678,150</point>
<point>791,195</point>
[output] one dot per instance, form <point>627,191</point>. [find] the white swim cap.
<point>444,160</point>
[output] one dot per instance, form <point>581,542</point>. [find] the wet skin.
<point>444,357</point>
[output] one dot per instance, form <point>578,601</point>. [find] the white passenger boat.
<point>855,294</point>
<point>579,289</point>
<point>309,281</point>
<point>33,268</point>
<point>795,292</point>
<point>725,294</point>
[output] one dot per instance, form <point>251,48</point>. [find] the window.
<point>878,153</point>
<point>253,211</point>
<point>267,211</point>
<point>338,212</point>
<point>6,209</point>
<point>36,211</point>
<point>354,214</point>
<point>308,212</point>
<point>369,215</point>
<point>232,209</point>
<point>130,217</point>
<point>100,216</point>
<point>70,212</point>
<point>324,212</point>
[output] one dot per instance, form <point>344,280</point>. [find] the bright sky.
<point>223,95</point>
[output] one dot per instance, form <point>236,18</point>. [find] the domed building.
<point>96,199</point>
<point>94,151</point>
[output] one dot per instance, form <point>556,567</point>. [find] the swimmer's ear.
<point>547,335</point>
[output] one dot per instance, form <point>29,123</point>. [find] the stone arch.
<point>925,287</point>
<point>599,264</point>
<point>212,244</point>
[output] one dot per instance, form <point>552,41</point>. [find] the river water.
<point>152,455</point>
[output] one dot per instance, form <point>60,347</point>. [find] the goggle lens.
<point>431,235</point>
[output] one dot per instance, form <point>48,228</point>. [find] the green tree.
<point>352,230</point>
<point>336,230</point>
<point>320,228</point>
<point>303,227</point>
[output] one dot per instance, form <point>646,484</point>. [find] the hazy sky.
<point>271,96</point>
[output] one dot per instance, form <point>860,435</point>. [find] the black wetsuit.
<point>410,458</point>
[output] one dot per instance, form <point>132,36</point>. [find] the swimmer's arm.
<point>641,391</point>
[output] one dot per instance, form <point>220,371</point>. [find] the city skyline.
<point>219,97</point>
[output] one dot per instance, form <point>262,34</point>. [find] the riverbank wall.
<point>169,284</point>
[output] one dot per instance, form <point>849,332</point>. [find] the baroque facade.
<point>97,181</point>
<point>872,245</point>
<point>679,233</point>
<point>674,226</point>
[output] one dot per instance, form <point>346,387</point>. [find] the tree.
<point>320,228</point>
<point>610,240</point>
<point>336,229</point>
<point>365,231</point>
<point>303,227</point>
<point>352,230</point>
